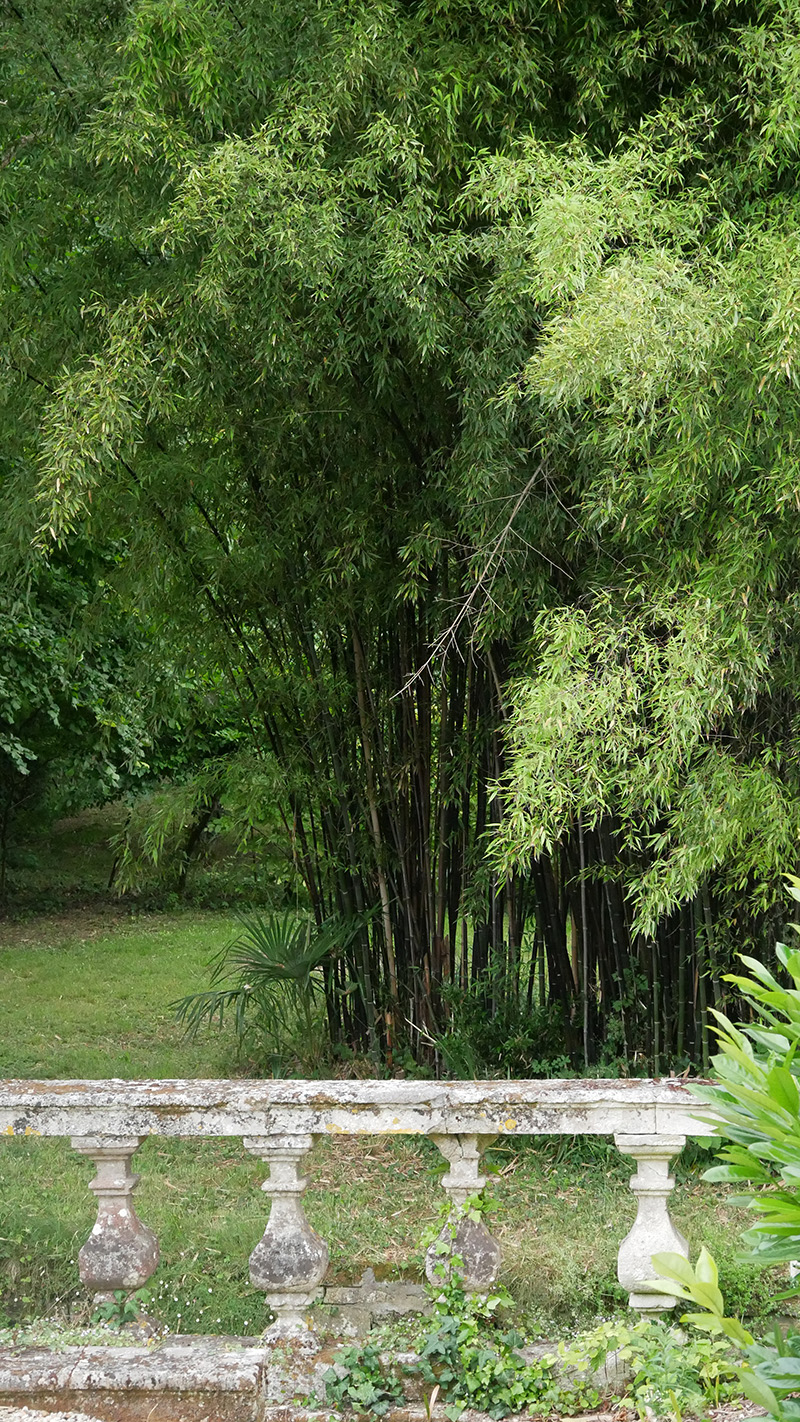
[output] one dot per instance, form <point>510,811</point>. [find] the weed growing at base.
<point>122,1308</point>
<point>469,1355</point>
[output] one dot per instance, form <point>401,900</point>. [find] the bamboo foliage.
<point>428,371</point>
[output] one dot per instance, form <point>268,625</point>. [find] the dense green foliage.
<point>72,721</point>
<point>433,364</point>
<point>468,1356</point>
<point>269,980</point>
<point>756,1095</point>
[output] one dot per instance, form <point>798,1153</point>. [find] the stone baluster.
<point>290,1260</point>
<point>653,1231</point>
<point>121,1252</point>
<point>473,1242</point>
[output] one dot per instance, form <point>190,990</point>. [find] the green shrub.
<point>269,981</point>
<point>756,1095</point>
<point>490,1031</point>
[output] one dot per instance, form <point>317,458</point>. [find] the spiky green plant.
<point>268,979</point>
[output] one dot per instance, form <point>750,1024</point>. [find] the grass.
<point>87,994</point>
<point>82,997</point>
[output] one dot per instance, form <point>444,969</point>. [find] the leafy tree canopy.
<point>435,363</point>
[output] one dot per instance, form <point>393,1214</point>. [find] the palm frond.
<point>276,949</point>
<point>202,1009</point>
<point>266,973</point>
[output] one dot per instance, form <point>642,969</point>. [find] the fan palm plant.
<point>267,979</point>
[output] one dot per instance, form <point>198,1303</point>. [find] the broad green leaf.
<point>783,1088</point>
<point>759,1393</point>
<point>706,1270</point>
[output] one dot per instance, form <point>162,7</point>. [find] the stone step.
<point>194,1378</point>
<point>174,1380</point>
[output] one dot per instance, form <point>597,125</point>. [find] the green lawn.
<point>84,995</point>
<point>93,1000</point>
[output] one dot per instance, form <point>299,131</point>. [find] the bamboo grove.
<point>422,376</point>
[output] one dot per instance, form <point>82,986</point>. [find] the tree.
<point>368,329</point>
<point>660,720</point>
<point>72,729</point>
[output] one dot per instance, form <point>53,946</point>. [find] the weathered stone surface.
<point>472,1242</point>
<point>351,1310</point>
<point>385,1298</point>
<point>197,1379</point>
<point>27,1414</point>
<point>653,1231</point>
<point>121,1252</point>
<point>290,1260</point>
<point>263,1108</point>
<point>179,1380</point>
<point>481,1255</point>
<point>341,1320</point>
<point>134,1406</point>
<point>179,1365</point>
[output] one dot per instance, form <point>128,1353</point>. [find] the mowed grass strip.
<point>80,996</point>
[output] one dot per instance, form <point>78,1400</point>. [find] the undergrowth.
<point>469,1354</point>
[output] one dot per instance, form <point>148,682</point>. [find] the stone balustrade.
<point>279,1121</point>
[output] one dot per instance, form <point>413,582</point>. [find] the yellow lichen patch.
<point>510,1125</point>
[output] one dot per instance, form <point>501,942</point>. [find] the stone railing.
<point>279,1121</point>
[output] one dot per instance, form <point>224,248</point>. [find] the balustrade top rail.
<point>262,1108</point>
